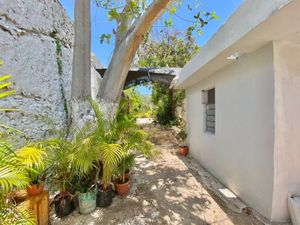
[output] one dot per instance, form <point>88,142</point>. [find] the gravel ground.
<point>163,191</point>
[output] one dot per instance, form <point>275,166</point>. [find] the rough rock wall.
<point>36,39</point>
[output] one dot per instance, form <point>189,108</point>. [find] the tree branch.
<point>146,20</point>
<point>115,76</point>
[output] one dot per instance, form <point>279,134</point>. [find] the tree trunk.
<point>81,72</point>
<point>114,78</point>
<point>81,76</point>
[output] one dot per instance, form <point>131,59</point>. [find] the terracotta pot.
<point>183,150</point>
<point>121,188</point>
<point>35,189</point>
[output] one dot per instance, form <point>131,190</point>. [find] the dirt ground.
<point>163,191</point>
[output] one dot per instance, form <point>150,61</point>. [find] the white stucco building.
<point>243,104</point>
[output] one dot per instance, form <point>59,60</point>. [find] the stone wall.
<point>35,36</point>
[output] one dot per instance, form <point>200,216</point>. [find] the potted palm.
<point>36,186</point>
<point>114,138</point>
<point>34,159</point>
<point>74,169</point>
<point>14,177</point>
<point>13,174</point>
<point>86,164</point>
<point>86,194</point>
<point>122,181</point>
<point>106,141</point>
<point>183,148</point>
<point>110,157</point>
<point>61,174</point>
<point>181,136</point>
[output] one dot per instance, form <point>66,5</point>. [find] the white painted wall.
<point>240,153</point>
<point>287,126</point>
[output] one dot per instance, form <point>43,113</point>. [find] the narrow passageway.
<point>163,191</point>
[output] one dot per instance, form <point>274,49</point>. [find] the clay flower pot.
<point>121,188</point>
<point>35,189</point>
<point>184,150</point>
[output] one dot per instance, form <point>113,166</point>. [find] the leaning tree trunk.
<point>115,76</point>
<point>81,72</point>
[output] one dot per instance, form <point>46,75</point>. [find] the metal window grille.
<point>211,111</point>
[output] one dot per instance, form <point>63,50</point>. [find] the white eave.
<point>254,24</point>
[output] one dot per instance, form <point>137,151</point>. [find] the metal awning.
<point>143,75</point>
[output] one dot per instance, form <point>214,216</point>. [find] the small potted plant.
<point>87,194</point>
<point>106,139</point>
<point>105,193</point>
<point>60,175</point>
<point>72,162</point>
<point>34,159</point>
<point>36,186</point>
<point>122,171</point>
<point>111,155</point>
<point>181,136</point>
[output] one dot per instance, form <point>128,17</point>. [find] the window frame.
<point>209,104</point>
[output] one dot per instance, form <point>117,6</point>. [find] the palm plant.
<point>106,141</point>
<point>4,84</point>
<point>115,138</point>
<point>60,172</point>
<point>34,158</point>
<point>85,158</point>
<point>13,214</point>
<point>14,167</point>
<point>127,162</point>
<point>13,174</point>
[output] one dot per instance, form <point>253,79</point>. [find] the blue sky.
<point>101,25</point>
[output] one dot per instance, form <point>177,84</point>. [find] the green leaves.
<point>172,10</point>
<point>32,157</point>
<point>214,15</point>
<point>17,215</point>
<point>15,166</point>
<point>105,38</point>
<point>4,84</point>
<point>197,16</point>
<point>172,51</point>
<point>126,13</point>
<point>11,177</point>
<point>114,138</point>
<point>113,14</point>
<point>169,22</point>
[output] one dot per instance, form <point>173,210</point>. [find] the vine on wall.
<point>60,74</point>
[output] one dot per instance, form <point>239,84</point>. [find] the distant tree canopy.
<point>135,105</point>
<point>174,50</point>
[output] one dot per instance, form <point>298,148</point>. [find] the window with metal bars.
<point>210,112</point>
